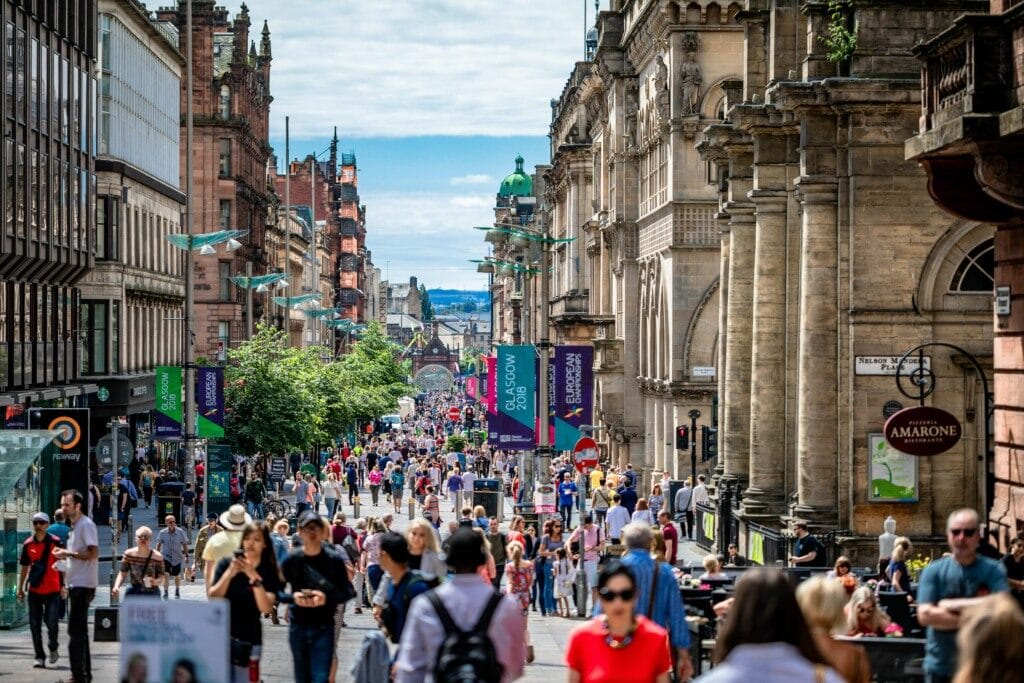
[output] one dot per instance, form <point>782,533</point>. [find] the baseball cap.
<point>41,517</point>
<point>307,517</point>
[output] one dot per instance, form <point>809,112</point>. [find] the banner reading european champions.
<point>573,378</point>
<point>210,402</point>
<point>512,424</point>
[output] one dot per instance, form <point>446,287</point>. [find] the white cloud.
<point>472,202</point>
<point>474,179</point>
<point>402,68</point>
<point>429,235</point>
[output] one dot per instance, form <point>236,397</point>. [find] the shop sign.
<point>923,431</point>
<point>701,371</point>
<point>892,475</point>
<point>102,394</point>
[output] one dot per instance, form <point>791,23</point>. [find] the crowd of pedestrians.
<point>453,594</point>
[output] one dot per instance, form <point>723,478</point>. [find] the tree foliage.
<point>426,308</point>
<point>281,399</point>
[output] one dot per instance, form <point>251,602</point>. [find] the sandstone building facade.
<point>833,261</point>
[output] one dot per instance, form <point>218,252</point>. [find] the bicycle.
<point>278,507</point>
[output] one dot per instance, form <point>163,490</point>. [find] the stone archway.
<point>434,378</point>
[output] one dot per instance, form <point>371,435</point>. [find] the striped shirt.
<point>669,612</point>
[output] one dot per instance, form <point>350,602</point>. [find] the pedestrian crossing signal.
<point>682,437</point>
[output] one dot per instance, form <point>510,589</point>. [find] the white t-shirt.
<point>617,518</point>
<point>83,573</point>
<point>467,481</point>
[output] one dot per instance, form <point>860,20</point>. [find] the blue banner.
<point>512,425</point>
<point>210,402</point>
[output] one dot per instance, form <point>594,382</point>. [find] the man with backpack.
<point>255,492</point>
<point>463,630</point>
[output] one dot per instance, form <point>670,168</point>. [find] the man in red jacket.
<point>44,586</point>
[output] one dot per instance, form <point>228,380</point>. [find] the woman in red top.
<point>618,646</point>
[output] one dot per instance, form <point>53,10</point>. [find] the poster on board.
<point>892,475</point>
<point>173,641</point>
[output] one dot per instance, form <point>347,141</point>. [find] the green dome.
<point>517,183</point>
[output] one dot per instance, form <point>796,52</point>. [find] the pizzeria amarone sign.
<point>923,431</point>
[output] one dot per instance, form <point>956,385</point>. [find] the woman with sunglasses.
<point>618,645</point>
<point>142,566</point>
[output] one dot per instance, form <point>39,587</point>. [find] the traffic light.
<point>682,438</point>
<point>709,442</point>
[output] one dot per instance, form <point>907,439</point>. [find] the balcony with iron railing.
<point>972,122</point>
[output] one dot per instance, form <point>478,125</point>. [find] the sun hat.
<point>235,518</point>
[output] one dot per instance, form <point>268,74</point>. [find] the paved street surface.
<point>549,634</point>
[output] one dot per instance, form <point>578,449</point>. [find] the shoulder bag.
<point>37,572</point>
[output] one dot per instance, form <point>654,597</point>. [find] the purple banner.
<point>574,379</point>
<point>210,402</point>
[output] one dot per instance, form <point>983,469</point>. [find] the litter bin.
<point>487,492</point>
<point>168,501</point>
<point>673,486</point>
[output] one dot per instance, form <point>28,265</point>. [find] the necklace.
<point>618,644</point>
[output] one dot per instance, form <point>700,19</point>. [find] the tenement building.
<point>970,145</point>
<point>835,262</point>
<point>132,301</point>
<point>48,240</point>
<point>231,187</point>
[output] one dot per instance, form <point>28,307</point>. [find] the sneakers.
<point>40,664</point>
<point>54,656</point>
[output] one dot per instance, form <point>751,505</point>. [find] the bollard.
<point>355,507</point>
<point>412,508</point>
<point>581,586</point>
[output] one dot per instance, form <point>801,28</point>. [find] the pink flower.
<point>893,630</point>
<point>705,586</point>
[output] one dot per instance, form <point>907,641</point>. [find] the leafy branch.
<point>840,41</point>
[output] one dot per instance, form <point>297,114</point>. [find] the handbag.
<point>140,589</point>
<point>345,593</point>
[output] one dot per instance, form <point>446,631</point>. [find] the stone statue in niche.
<point>661,93</point>
<point>690,77</point>
<point>630,114</point>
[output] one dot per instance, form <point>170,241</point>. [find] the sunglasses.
<point>966,533</point>
<point>608,595</point>
<point>143,537</point>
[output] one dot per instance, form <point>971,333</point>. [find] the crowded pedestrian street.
<point>596,341</point>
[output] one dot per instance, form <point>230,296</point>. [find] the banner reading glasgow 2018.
<point>168,402</point>
<point>573,374</point>
<point>512,425</point>
<point>210,402</point>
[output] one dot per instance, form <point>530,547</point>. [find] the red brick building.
<point>351,294</point>
<point>231,109</point>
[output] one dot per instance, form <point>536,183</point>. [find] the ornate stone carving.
<point>690,77</point>
<point>630,110</point>
<point>661,93</point>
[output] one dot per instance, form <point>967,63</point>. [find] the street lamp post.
<point>189,355</point>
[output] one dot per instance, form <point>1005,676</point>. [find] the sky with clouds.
<point>436,98</point>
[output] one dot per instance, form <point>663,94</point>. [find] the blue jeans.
<point>312,651</point>
<point>566,512</point>
<point>542,579</point>
<point>374,574</point>
<point>255,509</point>
<point>548,588</point>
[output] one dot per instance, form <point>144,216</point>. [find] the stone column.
<point>765,494</point>
<point>736,408</point>
<point>817,416</point>
<point>648,459</point>
<point>654,435</point>
<point>723,323</point>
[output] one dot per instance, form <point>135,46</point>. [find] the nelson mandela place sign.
<point>923,431</point>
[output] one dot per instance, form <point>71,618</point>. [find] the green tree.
<point>426,309</point>
<point>270,406</point>
<point>468,306</point>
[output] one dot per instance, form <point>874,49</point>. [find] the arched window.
<point>976,272</point>
<point>225,102</point>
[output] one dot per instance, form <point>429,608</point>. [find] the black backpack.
<point>466,656</point>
